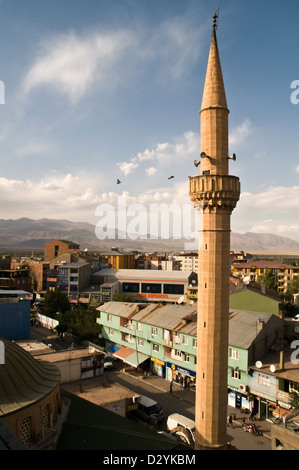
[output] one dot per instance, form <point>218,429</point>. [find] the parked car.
<point>181,427</point>
<point>149,411</point>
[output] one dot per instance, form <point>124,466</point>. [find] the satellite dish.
<point>296,329</point>
<point>272,368</point>
<point>258,364</point>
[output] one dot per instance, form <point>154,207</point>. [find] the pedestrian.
<point>170,386</point>
<point>181,380</point>
<point>229,421</point>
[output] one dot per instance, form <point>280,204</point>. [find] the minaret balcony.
<point>214,190</point>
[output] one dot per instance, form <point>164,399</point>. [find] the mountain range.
<point>30,234</point>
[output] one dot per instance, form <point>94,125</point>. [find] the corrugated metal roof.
<point>164,316</point>
<point>243,327</point>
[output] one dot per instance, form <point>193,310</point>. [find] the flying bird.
<point>117,182</point>
<point>170,177</point>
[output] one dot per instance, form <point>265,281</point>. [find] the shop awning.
<point>133,358</point>
<point>136,358</point>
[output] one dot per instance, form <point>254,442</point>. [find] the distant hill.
<point>29,234</point>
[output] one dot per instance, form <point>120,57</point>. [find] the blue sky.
<point>97,90</point>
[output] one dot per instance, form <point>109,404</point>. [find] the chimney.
<point>260,324</point>
<point>281,360</point>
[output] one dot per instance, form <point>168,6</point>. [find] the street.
<point>171,404</point>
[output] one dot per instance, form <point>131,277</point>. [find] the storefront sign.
<point>181,370</point>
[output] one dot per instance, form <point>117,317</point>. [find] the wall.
<point>254,302</point>
<point>15,320</point>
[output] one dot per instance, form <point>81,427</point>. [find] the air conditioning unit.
<point>243,388</point>
<point>136,398</point>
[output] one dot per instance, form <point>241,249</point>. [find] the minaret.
<point>214,194</point>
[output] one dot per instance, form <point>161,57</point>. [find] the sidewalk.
<point>189,396</point>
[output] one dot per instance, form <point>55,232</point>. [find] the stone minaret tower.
<point>214,193</point>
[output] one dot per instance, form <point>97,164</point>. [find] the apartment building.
<point>70,278</point>
<point>251,271</point>
<point>55,248</point>
<point>163,340</point>
<point>117,259</point>
<point>187,261</point>
<point>163,336</point>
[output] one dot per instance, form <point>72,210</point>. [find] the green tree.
<point>79,322</point>
<point>55,301</point>
<point>294,398</point>
<point>269,279</point>
<point>123,298</point>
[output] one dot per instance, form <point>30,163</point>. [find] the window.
<point>236,373</point>
<point>154,331</point>
<point>151,288</point>
<point>177,353</point>
<point>185,340</point>
<point>173,289</point>
<point>111,331</point>
<point>26,430</point>
<point>109,318</point>
<point>264,380</point>
<point>233,353</point>
<point>139,326</point>
<point>140,342</point>
<point>187,358</point>
<point>155,347</point>
<point>130,287</point>
<point>176,338</point>
<point>194,342</point>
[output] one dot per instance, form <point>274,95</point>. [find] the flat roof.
<point>147,274</point>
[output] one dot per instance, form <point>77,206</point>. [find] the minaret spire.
<point>214,111</point>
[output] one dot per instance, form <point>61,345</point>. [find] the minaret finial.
<point>215,18</point>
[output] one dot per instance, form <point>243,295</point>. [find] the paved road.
<point>171,404</point>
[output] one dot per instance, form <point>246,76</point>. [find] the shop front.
<point>240,400</point>
<point>180,375</point>
<point>158,367</point>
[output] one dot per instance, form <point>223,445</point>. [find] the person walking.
<point>170,386</point>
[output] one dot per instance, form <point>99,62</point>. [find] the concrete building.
<point>252,271</point>
<point>59,247</point>
<point>146,285</point>
<point>215,194</point>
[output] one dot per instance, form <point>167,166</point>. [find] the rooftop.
<point>145,274</point>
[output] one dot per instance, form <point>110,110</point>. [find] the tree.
<point>79,322</point>
<point>269,279</point>
<point>294,398</point>
<point>55,301</point>
<point>123,298</point>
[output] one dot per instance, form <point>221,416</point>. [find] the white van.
<point>179,421</point>
<point>149,411</point>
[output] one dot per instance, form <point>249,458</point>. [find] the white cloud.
<point>71,64</point>
<point>269,211</point>
<point>127,167</point>
<point>240,133</point>
<point>183,148</point>
<point>151,171</point>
